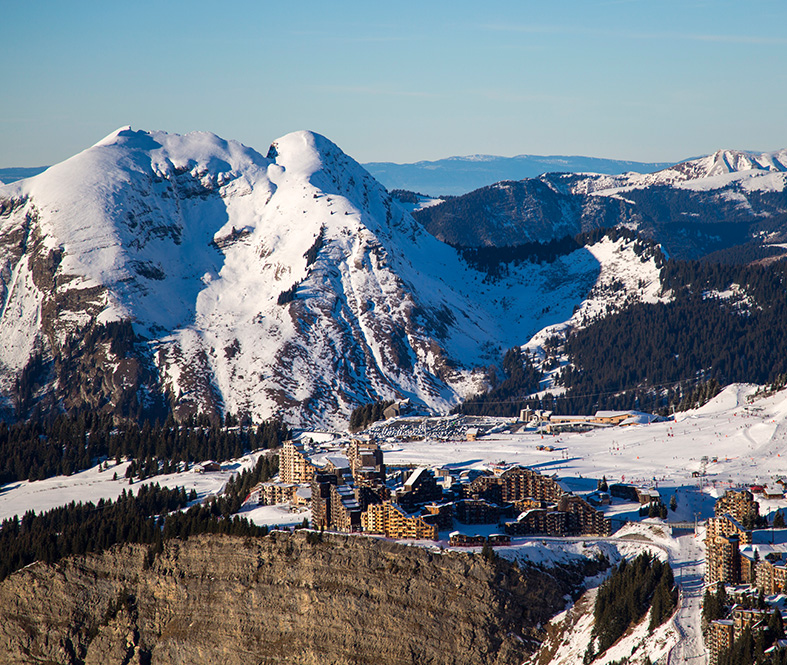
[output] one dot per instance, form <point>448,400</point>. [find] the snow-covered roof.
<point>639,419</point>
<point>338,461</point>
<point>565,486</point>
<point>414,476</point>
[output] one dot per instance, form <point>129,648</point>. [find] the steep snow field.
<point>289,284</point>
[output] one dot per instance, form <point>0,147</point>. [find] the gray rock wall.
<point>280,599</point>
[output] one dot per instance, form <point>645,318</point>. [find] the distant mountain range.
<point>459,175</point>
<point>15,173</point>
<point>710,204</point>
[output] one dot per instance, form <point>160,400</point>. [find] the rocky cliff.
<point>279,599</point>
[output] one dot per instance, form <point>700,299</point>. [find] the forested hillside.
<point>722,323</point>
<point>726,323</point>
<point>34,450</point>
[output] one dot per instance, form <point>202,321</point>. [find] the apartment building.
<point>720,636</point>
<point>739,504</point>
<point>273,493</point>
<point>390,520</point>
<point>582,518</point>
<point>476,511</point>
<point>321,499</point>
<point>366,462</point>
<point>727,525</point>
<point>294,464</point>
<point>771,573</point>
<point>571,516</point>
<point>722,559</point>
<point>345,513</point>
<point>515,484</point>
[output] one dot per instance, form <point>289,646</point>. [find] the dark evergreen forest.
<point>495,260</point>
<point>366,414</point>
<point>34,450</point>
<point>151,516</point>
<point>726,323</point>
<point>626,596</point>
<point>642,356</point>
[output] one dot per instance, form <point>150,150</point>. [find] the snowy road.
<point>688,563</point>
<point>679,640</point>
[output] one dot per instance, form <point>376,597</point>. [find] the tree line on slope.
<point>726,324</point>
<point>366,414</point>
<point>625,597</point>
<point>505,399</point>
<point>694,337</point>
<point>151,516</point>
<point>495,260</point>
<point>34,450</point>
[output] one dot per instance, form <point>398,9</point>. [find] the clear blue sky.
<point>649,80</point>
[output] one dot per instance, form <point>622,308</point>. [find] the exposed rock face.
<point>279,599</point>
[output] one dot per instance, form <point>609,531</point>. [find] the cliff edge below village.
<point>301,598</point>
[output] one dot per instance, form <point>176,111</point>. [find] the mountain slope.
<point>694,208</point>
<point>156,270</point>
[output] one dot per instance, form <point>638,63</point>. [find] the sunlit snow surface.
<point>748,438</point>
<point>94,484</point>
<point>194,238</point>
<point>750,171</point>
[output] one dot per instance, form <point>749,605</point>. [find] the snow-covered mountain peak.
<point>112,137</point>
<point>288,284</point>
<point>302,152</point>
<point>717,171</point>
<point>730,161</point>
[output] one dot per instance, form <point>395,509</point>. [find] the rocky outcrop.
<point>278,599</point>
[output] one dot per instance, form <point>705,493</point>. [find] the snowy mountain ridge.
<point>714,203</point>
<point>290,284</point>
<point>760,170</point>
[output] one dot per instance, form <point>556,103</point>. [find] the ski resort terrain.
<point>741,434</point>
